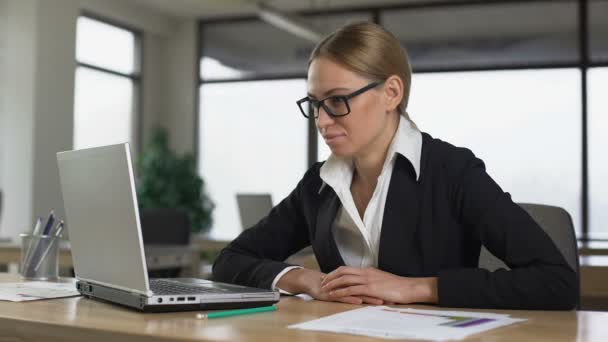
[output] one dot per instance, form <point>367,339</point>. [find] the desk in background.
<point>158,257</point>
<point>81,319</point>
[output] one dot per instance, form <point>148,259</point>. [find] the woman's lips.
<point>330,138</point>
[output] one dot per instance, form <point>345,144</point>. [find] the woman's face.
<point>353,134</point>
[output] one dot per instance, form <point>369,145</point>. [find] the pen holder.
<point>39,257</point>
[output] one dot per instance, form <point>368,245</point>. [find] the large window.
<point>598,157</point>
<point>511,91</point>
<point>525,125</point>
<point>106,85</point>
<point>253,141</point>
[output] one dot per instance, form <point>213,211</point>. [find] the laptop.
<point>107,247</point>
<point>253,207</point>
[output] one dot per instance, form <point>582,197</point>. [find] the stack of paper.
<point>34,290</point>
<point>386,322</point>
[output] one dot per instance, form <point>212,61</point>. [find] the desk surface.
<point>80,319</point>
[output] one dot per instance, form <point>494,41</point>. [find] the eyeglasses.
<point>334,106</point>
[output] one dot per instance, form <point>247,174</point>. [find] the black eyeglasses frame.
<point>321,103</point>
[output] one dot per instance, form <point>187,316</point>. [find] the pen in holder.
<point>39,255</point>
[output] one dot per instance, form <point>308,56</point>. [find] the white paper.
<point>35,290</point>
<point>391,323</point>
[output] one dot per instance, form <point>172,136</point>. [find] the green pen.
<point>229,313</point>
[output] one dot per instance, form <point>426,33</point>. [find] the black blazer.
<point>433,227</point>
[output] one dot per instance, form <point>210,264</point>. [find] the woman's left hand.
<point>372,282</point>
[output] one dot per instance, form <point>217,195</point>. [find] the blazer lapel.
<point>324,245</point>
<point>399,250</point>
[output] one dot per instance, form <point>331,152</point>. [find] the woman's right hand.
<point>301,280</point>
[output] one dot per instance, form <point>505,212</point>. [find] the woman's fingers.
<point>343,281</point>
<point>340,271</point>
<point>356,290</point>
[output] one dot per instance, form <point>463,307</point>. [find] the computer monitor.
<point>253,207</point>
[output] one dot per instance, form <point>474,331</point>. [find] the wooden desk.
<point>81,319</point>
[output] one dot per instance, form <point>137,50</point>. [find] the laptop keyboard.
<point>165,287</point>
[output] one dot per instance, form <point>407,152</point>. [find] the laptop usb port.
<point>191,298</point>
<point>181,299</point>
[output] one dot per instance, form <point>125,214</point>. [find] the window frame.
<point>136,76</point>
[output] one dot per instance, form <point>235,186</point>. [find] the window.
<point>253,140</point>
<point>106,85</point>
<point>252,137</point>
<point>503,84</point>
<point>598,158</point>
<point>525,125</point>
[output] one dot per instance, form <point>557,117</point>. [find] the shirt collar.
<point>338,172</point>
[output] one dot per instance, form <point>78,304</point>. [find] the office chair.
<point>165,227</point>
<point>557,223</point>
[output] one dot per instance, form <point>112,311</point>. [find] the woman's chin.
<point>340,152</point>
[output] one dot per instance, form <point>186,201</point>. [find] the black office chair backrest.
<point>556,222</point>
<point>165,226</point>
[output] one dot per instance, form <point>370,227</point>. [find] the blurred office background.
<point>521,83</point>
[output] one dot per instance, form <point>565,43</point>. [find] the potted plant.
<point>168,180</point>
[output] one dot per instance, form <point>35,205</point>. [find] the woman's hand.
<point>309,282</point>
<point>348,282</point>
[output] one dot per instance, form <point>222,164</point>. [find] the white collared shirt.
<point>358,239</point>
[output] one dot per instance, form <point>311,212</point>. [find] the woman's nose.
<point>323,119</point>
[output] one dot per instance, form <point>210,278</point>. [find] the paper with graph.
<point>407,323</point>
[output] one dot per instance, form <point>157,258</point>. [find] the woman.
<point>394,216</point>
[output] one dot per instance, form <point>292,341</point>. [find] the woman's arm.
<point>540,277</point>
<point>257,255</point>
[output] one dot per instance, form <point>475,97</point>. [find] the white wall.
<point>37,60</point>
<point>54,94</point>
<point>17,139</point>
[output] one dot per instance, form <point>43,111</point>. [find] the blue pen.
<point>49,223</point>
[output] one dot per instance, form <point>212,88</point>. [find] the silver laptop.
<point>107,247</point>
<point>253,207</point>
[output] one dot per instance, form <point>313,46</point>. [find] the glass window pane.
<point>265,50</point>
<point>598,158</point>
<point>105,46</point>
<point>103,108</point>
<point>525,125</point>
<point>598,30</point>
<point>490,35</point>
<point>253,139</point>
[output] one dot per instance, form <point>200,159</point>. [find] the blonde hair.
<point>370,51</point>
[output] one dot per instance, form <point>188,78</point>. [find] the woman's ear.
<point>393,92</point>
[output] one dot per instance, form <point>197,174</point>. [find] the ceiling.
<point>216,8</point>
